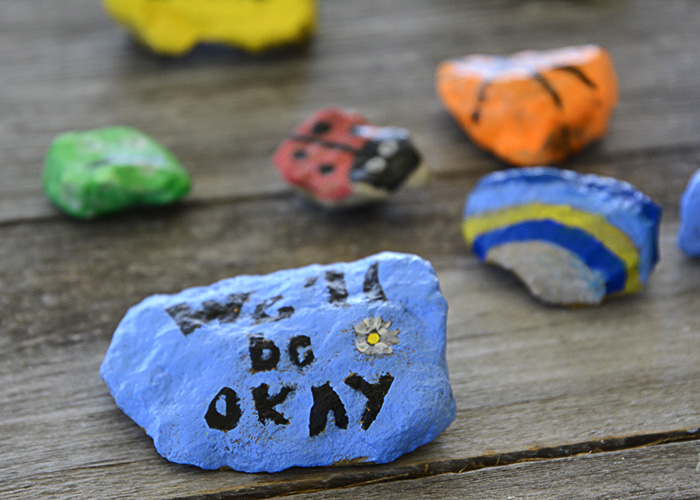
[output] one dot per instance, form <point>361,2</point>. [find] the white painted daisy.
<point>374,337</point>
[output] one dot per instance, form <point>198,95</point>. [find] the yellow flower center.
<point>373,338</point>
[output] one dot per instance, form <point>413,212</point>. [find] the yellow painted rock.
<point>174,27</point>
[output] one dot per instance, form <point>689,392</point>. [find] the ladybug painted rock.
<point>533,107</point>
<point>338,159</point>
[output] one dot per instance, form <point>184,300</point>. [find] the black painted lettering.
<point>374,393</point>
<point>265,405</point>
<point>227,312</point>
<point>372,287</point>
<point>232,411</point>
<point>300,342</point>
<point>261,316</point>
<point>335,282</point>
<point>310,281</point>
<point>325,401</point>
<point>264,354</point>
<point>188,319</point>
<point>185,318</point>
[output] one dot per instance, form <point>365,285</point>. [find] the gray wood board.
<point>665,472</point>
<point>526,377</point>
<point>223,113</point>
<point>531,382</point>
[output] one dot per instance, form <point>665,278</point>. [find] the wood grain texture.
<point>666,472</point>
<point>223,113</point>
<point>527,377</point>
<point>531,381</point>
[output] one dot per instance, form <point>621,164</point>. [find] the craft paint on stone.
<point>320,365</point>
<point>175,27</point>
<point>533,107</point>
<point>97,172</point>
<point>571,238</point>
<point>338,159</point>
<point>689,230</point>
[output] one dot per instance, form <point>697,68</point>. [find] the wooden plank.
<point>223,113</point>
<point>526,377</point>
<point>664,472</point>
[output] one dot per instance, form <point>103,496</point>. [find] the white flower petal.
<point>381,348</point>
<point>362,345</point>
<point>374,323</point>
<point>391,337</point>
<point>362,329</point>
<point>369,326</point>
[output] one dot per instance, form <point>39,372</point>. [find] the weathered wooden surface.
<point>222,112</point>
<point>655,472</point>
<point>526,376</point>
<point>531,382</point>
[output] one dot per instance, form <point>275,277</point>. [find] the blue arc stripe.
<point>596,255</point>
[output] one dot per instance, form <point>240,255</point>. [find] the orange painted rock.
<point>532,108</point>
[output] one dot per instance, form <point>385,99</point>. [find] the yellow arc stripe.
<point>610,236</point>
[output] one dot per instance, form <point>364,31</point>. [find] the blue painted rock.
<point>689,232</point>
<point>571,238</point>
<point>320,365</point>
<point>337,159</point>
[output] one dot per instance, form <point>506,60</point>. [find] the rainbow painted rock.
<point>689,232</point>
<point>97,172</point>
<point>174,27</point>
<point>322,365</point>
<point>532,108</point>
<point>571,238</point>
<point>338,159</point>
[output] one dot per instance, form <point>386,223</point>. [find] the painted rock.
<point>96,172</point>
<point>338,159</point>
<point>320,365</point>
<point>532,108</point>
<point>571,238</point>
<point>174,27</point>
<point>689,232</point>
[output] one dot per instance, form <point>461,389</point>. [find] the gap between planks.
<point>457,466</point>
<point>661,472</point>
<point>686,152</point>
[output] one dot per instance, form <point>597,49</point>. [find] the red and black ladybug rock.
<point>337,158</point>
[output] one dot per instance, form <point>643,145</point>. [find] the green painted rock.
<point>97,172</point>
